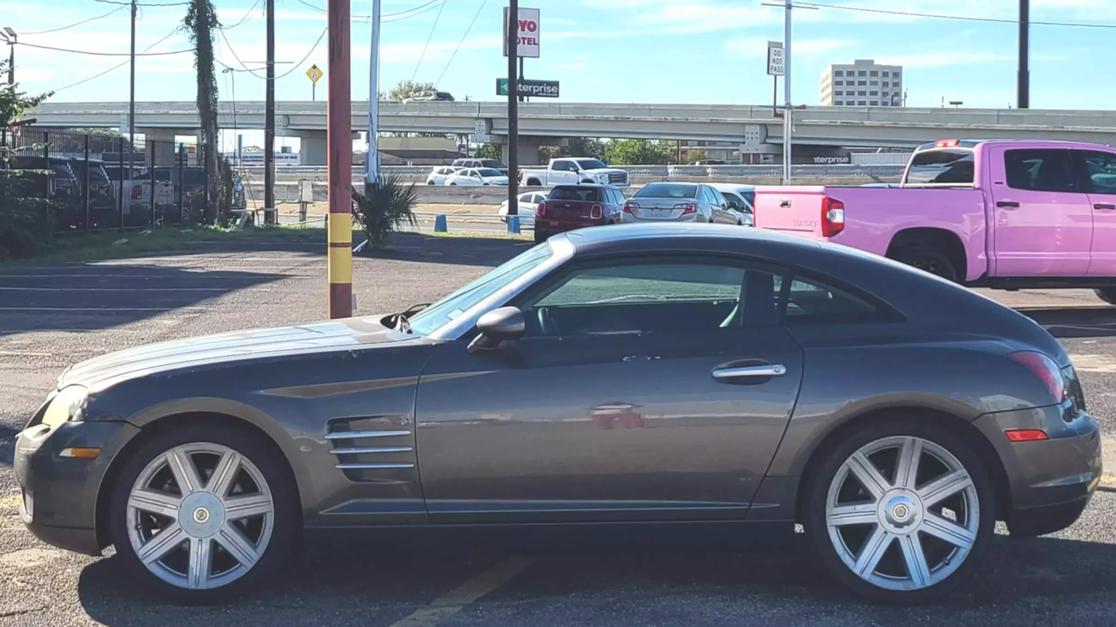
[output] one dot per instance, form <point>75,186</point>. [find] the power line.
<point>118,65</point>
<point>394,16</point>
<point>306,56</point>
<point>461,42</point>
<point>941,16</point>
<point>236,56</point>
<point>144,4</point>
<point>247,16</point>
<point>428,38</point>
<point>76,24</point>
<point>94,53</point>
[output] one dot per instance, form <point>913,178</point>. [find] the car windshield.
<point>591,164</point>
<point>667,190</point>
<point>449,308</point>
<point>588,194</point>
<point>490,172</point>
<point>492,163</point>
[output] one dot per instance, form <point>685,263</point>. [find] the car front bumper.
<point>59,494</point>
<point>1049,481</point>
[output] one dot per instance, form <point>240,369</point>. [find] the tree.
<point>639,152</point>
<point>200,22</point>
<point>489,151</point>
<point>14,103</point>
<point>408,89</point>
<point>696,155</point>
<point>384,207</point>
<point>26,219</point>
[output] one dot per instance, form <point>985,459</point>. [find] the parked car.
<point>477,176</point>
<point>65,179</point>
<point>64,183</point>
<point>439,174</point>
<point>738,205</point>
<point>634,377</point>
<point>495,164</point>
<point>574,170</point>
<point>569,207</point>
<point>102,194</point>
<point>1002,214</point>
<point>528,203</point>
<point>747,192</point>
<point>679,202</point>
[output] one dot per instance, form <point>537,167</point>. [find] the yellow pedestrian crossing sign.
<point>315,73</point>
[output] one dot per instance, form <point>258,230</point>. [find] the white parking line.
<point>127,289</point>
<point>105,309</point>
<point>452,602</point>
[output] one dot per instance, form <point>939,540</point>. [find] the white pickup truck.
<point>574,171</point>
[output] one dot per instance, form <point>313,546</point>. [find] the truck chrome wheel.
<point>902,513</point>
<point>200,516</point>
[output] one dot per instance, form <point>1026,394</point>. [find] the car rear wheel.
<point>200,520</point>
<point>929,260</point>
<point>541,236</point>
<point>1107,294</point>
<point>901,511</point>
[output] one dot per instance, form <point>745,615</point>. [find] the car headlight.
<point>67,406</point>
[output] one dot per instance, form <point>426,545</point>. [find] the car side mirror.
<point>496,327</point>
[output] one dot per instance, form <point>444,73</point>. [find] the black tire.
<point>825,470</point>
<point>1107,294</point>
<point>929,260</point>
<point>286,530</point>
<point>541,236</point>
<point>534,182</point>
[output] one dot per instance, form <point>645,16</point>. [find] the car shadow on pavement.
<point>470,251</point>
<point>371,583</point>
<point>82,297</point>
<point>1076,322</point>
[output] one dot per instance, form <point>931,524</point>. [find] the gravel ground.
<point>52,316</point>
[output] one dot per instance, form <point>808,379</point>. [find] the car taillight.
<point>631,207</point>
<point>596,212</point>
<point>1046,370</point>
<point>1025,435</point>
<point>137,192</point>
<point>947,143</point>
<point>686,207</point>
<point>540,210</point>
<point>832,216</point>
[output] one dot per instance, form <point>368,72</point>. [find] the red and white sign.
<point>527,44</point>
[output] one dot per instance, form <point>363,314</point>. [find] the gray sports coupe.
<point>621,377</point>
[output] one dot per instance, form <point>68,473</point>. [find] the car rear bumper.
<point>560,226</point>
<point>1049,481</point>
<point>59,494</point>
<point>689,217</point>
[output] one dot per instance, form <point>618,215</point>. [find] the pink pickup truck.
<point>1004,214</point>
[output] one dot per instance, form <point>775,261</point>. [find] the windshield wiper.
<point>400,321</point>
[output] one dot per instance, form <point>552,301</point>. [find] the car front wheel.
<point>900,511</point>
<point>1107,294</point>
<point>201,519</point>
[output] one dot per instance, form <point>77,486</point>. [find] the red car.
<point>571,207</point>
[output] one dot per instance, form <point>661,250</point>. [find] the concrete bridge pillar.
<point>313,148</point>
<point>165,146</point>
<point>528,148</point>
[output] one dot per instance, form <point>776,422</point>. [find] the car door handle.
<point>1007,204</point>
<point>743,372</point>
<point>1104,206</point>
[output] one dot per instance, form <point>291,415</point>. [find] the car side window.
<point>1041,170</point>
<point>1100,170</point>
<point>653,297</point>
<point>807,300</point>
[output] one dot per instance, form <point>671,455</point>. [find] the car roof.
<point>735,187</point>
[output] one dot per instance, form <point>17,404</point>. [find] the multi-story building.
<point>863,83</point>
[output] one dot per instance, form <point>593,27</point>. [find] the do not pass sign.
<point>527,33</point>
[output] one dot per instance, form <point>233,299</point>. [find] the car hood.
<point>499,180</point>
<point>604,171</point>
<point>209,350</point>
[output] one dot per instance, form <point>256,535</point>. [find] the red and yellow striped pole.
<point>340,128</point>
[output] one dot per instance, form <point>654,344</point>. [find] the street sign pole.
<point>340,141</point>
<point>372,156</point>
<point>511,43</point>
<point>788,124</point>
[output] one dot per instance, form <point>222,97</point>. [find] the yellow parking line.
<point>11,500</point>
<point>452,602</point>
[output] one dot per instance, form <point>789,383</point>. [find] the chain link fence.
<point>98,182</point>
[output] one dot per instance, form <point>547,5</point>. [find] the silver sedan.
<point>678,202</point>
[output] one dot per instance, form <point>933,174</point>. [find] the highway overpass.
<point>754,127</point>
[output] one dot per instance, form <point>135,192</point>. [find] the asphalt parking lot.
<point>53,316</point>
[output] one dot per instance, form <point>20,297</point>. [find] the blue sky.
<point>704,51</point>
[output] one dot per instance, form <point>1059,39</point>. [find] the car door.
<point>641,390</point>
<point>1042,219</point>
<point>1099,174</point>
<point>563,172</point>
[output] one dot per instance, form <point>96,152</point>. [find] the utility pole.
<point>1024,98</point>
<point>13,39</point>
<point>269,113</point>
<point>132,95</point>
<point>511,46</point>
<point>788,107</point>
<point>372,158</point>
<point>339,113</point>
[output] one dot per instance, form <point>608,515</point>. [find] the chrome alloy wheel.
<point>902,513</point>
<point>200,516</point>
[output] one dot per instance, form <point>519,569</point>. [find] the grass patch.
<point>526,237</point>
<point>120,245</point>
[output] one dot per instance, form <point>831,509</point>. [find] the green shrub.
<point>384,207</point>
<point>26,225</point>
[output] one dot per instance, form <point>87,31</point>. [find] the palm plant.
<point>384,207</point>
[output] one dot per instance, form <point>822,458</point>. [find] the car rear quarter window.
<point>668,190</point>
<point>1049,170</point>
<point>941,167</point>
<point>807,300</point>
